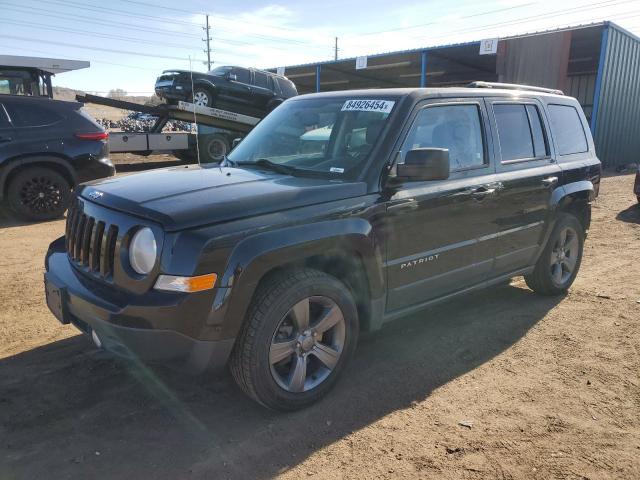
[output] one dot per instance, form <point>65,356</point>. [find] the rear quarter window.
<point>31,115</point>
<point>4,121</point>
<point>287,88</point>
<point>567,129</point>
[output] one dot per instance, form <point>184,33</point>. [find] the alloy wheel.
<point>564,256</point>
<point>307,344</point>
<point>201,98</point>
<point>41,194</point>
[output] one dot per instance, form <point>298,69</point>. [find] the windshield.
<point>220,71</point>
<point>323,136</point>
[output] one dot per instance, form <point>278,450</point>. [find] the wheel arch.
<point>575,198</point>
<point>345,249</point>
<point>14,165</point>
<point>205,84</point>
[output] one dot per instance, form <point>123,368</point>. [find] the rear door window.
<point>520,131</point>
<point>567,129</point>
<point>457,128</point>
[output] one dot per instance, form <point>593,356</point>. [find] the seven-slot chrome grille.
<point>90,242</point>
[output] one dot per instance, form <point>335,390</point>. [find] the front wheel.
<point>202,97</point>
<point>301,329</point>
<point>559,263</point>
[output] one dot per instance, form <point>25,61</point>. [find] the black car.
<point>46,148</point>
<point>251,91</point>
<point>339,212</point>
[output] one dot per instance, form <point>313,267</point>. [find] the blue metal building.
<point>599,64</point>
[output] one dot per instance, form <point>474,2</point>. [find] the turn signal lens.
<point>186,284</point>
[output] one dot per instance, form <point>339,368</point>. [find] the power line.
<point>111,50</point>
<point>549,15</point>
<point>410,27</point>
<point>120,12</point>
<point>93,34</point>
<point>125,14</point>
<point>52,13</point>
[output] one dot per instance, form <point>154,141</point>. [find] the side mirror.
<point>235,142</point>
<point>425,164</point>
<point>232,76</point>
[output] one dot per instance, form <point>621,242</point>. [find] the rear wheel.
<point>213,148</point>
<point>559,263</point>
<point>300,331</point>
<point>38,193</point>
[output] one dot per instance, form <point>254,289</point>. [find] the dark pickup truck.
<point>337,213</point>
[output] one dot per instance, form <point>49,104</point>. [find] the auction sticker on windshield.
<point>383,106</point>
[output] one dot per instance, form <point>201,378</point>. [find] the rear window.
<point>520,132</point>
<point>286,87</point>
<point>31,115</point>
<point>261,80</point>
<point>567,129</point>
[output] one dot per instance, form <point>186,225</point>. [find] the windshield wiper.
<point>227,162</point>
<point>266,163</point>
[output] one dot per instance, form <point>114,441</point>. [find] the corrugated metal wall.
<point>582,87</point>
<point>617,123</point>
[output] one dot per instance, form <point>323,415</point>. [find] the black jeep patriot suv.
<point>247,90</point>
<point>337,213</point>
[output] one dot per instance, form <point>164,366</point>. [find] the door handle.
<point>547,182</point>
<point>482,192</point>
<point>5,139</point>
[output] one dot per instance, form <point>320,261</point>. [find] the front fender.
<point>257,255</point>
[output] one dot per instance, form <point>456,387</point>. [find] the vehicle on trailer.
<point>276,260</point>
<point>251,90</point>
<point>47,147</point>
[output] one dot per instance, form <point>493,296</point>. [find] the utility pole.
<point>207,31</point>
<point>335,54</point>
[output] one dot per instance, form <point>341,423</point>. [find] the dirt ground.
<point>550,387</point>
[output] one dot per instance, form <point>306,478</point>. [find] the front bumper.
<point>126,325</point>
<point>171,93</point>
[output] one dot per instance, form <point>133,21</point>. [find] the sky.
<point>129,42</point>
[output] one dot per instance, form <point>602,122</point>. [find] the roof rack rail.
<point>514,86</point>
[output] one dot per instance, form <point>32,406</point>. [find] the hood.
<point>191,196</point>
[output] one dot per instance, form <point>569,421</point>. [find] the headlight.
<point>143,251</point>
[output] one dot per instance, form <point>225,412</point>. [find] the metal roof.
<point>51,65</point>
<point>460,44</point>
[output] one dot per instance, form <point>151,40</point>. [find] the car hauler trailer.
<point>217,129</point>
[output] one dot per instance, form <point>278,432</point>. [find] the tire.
<point>202,97</point>
<point>38,193</point>
<point>270,334</point>
<point>213,148</point>
<point>558,265</point>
